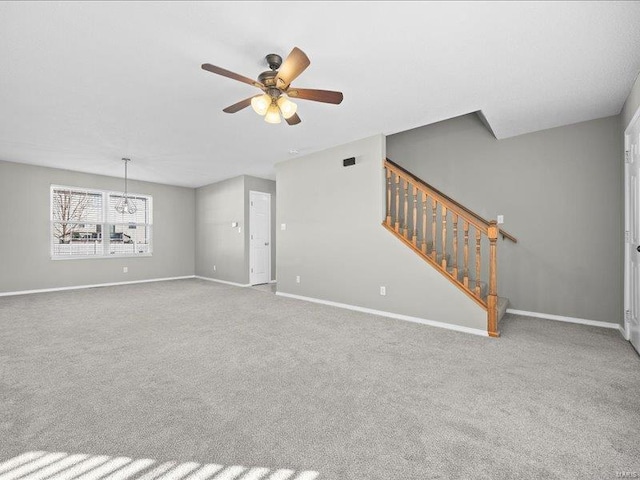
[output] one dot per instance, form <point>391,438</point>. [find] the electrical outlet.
<point>283,226</point>
<point>214,268</point>
<point>297,278</point>
<point>239,229</point>
<point>383,291</point>
<point>125,269</point>
<point>500,219</point>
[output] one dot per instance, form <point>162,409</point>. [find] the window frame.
<point>104,223</point>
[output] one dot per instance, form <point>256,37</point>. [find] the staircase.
<point>443,232</point>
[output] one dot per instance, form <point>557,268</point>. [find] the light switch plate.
<point>500,219</point>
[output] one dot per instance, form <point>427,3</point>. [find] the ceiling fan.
<point>276,85</point>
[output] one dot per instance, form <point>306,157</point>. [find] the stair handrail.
<point>452,204</point>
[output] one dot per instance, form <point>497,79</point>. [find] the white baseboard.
<point>209,279</point>
<point>423,321</point>
<point>80,287</point>
<point>560,318</point>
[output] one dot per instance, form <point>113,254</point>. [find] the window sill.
<point>102,257</point>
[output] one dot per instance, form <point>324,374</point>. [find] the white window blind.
<point>129,234</point>
<point>85,224</point>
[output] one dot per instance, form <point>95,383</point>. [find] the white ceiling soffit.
<point>86,83</point>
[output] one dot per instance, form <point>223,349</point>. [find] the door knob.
<point>267,243</point>
<point>638,249</point>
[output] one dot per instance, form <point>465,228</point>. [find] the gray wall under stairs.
<point>560,191</point>
<point>335,243</point>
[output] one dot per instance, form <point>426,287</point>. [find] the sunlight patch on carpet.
<point>62,466</point>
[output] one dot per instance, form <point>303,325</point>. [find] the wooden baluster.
<point>478,237</point>
<point>444,237</point>
<point>405,230</point>
<point>397,219</point>
<point>434,206</point>
<point>465,273</point>
<point>388,196</point>
<point>415,216</point>
<point>424,223</point>
<point>492,297</point>
<point>454,263</point>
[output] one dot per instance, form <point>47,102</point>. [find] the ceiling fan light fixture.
<point>287,107</point>
<point>273,114</point>
<point>272,103</point>
<point>261,104</point>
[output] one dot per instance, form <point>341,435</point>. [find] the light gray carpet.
<point>197,371</point>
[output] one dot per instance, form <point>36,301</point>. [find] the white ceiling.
<point>83,84</point>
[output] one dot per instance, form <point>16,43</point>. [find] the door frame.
<point>251,259</point>
<point>627,245</point>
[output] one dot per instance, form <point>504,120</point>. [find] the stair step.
<point>503,304</point>
<point>439,258</point>
<point>472,283</point>
<point>483,288</point>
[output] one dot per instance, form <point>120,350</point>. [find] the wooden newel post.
<point>492,297</point>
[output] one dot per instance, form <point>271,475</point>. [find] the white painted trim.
<point>80,287</point>
<point>623,332</point>
<point>625,246</point>
<point>101,257</point>
<point>560,318</point>
<point>397,316</point>
<point>634,119</point>
<point>209,279</point>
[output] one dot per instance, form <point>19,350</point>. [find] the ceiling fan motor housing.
<point>268,78</point>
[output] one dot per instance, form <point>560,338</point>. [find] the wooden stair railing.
<point>438,244</point>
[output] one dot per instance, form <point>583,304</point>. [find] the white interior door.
<point>632,231</point>
<point>260,237</point>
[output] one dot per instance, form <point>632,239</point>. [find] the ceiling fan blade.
<point>234,76</point>
<point>295,63</point>
<point>293,119</point>
<point>325,96</point>
<point>236,107</point>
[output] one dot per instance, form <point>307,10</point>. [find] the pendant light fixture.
<point>126,205</point>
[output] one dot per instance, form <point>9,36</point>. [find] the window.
<point>85,224</point>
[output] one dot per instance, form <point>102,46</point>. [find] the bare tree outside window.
<point>76,222</point>
<point>68,210</point>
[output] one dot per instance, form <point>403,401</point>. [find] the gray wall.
<point>335,242</point>
<point>631,105</point>
<point>266,186</point>
<point>561,193</point>
<point>25,258</point>
<point>219,244</point>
